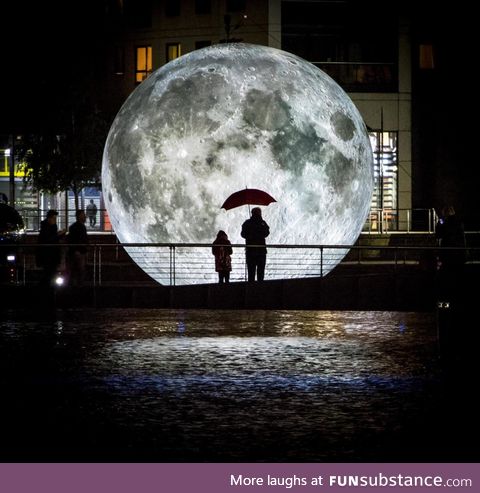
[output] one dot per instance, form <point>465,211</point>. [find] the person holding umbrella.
<point>255,230</point>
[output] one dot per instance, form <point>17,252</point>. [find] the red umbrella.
<point>247,196</point>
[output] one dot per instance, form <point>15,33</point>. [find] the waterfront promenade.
<point>353,288</point>
<point>374,362</point>
<point>380,273</point>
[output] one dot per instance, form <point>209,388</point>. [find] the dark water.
<point>171,385</point>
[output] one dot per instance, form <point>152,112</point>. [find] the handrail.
<point>194,262</point>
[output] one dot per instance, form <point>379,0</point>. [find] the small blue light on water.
<point>181,327</point>
<point>402,328</point>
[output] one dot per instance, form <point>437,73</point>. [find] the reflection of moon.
<point>223,118</point>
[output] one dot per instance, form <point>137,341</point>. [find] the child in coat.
<point>223,262</point>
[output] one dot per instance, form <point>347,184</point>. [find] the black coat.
<point>48,256</point>
<point>77,234</point>
<point>222,250</point>
<point>255,230</point>
<point>450,233</point>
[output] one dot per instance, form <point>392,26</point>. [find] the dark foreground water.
<point>172,385</point>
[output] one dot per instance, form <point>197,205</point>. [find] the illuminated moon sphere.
<point>224,118</point>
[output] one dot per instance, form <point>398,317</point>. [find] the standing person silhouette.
<point>450,233</point>
<point>49,256</point>
<point>222,250</point>
<point>255,230</point>
<point>92,213</point>
<point>77,251</point>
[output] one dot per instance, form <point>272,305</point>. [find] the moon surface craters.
<point>224,118</point>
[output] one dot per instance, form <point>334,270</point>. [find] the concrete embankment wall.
<point>406,289</point>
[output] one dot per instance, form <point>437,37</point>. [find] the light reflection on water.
<point>341,345</point>
<point>232,385</point>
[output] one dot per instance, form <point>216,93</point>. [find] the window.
<point>426,57</point>
<point>202,44</point>
<point>172,8</point>
<point>203,6</point>
<point>356,46</point>
<point>385,161</point>
<point>143,63</point>
<point>6,154</point>
<point>236,5</point>
<point>174,50</point>
<point>4,163</point>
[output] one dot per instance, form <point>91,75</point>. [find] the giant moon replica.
<point>224,118</point>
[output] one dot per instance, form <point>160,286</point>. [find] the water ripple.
<point>224,385</point>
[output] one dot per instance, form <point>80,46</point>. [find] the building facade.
<point>362,45</point>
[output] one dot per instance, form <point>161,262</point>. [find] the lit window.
<point>5,161</point>
<point>143,65</point>
<point>174,50</point>
<point>426,57</point>
<point>4,165</point>
<point>385,173</point>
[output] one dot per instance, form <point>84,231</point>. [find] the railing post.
<point>321,261</point>
<point>94,265</point>
<point>24,268</point>
<point>408,220</point>
<point>99,265</point>
<point>172,265</point>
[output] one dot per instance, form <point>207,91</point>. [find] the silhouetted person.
<point>222,250</point>
<point>49,257</point>
<point>92,213</point>
<point>11,235</point>
<point>450,233</point>
<point>255,230</point>
<point>77,252</point>
<point>10,219</point>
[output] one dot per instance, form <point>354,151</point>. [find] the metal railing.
<point>378,221</point>
<point>179,263</point>
<point>401,221</point>
<point>33,217</point>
